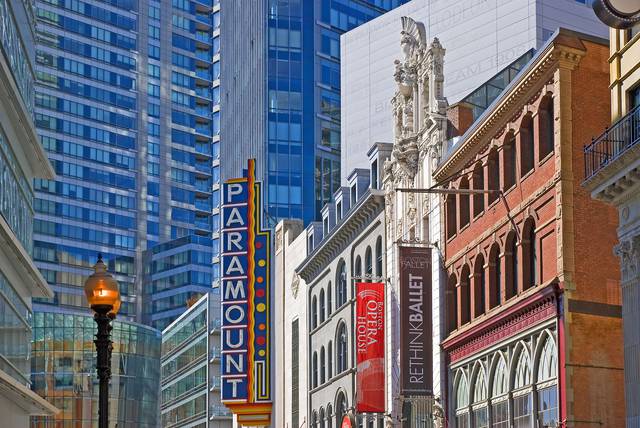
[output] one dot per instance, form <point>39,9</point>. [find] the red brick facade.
<point>535,257</point>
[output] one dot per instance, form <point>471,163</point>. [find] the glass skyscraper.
<point>127,108</point>
<point>284,109</point>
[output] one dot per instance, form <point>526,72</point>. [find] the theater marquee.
<point>416,348</point>
<point>246,376</point>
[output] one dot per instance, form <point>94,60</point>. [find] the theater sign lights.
<point>245,294</point>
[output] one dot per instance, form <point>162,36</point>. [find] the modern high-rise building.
<point>281,96</point>
<point>126,106</point>
<point>190,368</point>
<point>21,159</point>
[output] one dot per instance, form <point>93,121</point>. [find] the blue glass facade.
<point>127,108</point>
<point>303,131</point>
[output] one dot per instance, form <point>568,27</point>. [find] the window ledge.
<point>527,175</point>
<point>546,158</point>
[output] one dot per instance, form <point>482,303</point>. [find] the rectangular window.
<point>154,32</point>
<point>500,414</point>
<point>522,411</point>
<point>480,419</point>
<point>153,70</point>
<point>548,407</point>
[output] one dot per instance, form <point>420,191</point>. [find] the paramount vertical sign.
<point>416,348</point>
<point>245,307</point>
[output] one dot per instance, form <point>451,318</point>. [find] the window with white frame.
<point>480,415</point>
<point>499,395</point>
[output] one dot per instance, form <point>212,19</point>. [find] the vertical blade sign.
<point>245,294</point>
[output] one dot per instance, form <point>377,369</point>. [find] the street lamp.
<point>104,299</point>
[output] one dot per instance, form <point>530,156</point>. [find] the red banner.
<point>370,347</point>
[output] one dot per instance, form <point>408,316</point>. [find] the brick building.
<point>533,316</point>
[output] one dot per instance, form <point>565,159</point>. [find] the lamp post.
<point>103,297</point>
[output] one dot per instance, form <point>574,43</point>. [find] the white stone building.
<point>316,272</point>
<point>412,218</point>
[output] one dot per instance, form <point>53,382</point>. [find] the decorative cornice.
<point>530,311</point>
<point>343,234</point>
<point>564,51</point>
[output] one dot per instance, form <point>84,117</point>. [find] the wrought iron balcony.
<point>612,144</point>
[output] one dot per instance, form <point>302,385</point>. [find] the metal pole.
<point>103,364</point>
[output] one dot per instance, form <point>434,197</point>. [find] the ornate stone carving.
<point>295,285</point>
<point>629,252</point>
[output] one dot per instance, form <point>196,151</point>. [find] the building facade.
<point>281,96</point>
<point>412,218</point>
<point>532,317</point>
<point>127,109</point>
<point>190,368</point>
<point>21,159</point>
<point>497,34</point>
<point>63,371</point>
<point>316,339</point>
<point>611,168</point>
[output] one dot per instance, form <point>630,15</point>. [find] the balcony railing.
<point>609,146</point>
<point>219,411</point>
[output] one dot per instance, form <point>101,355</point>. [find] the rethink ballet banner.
<point>416,349</point>
<point>370,347</point>
<point>246,347</point>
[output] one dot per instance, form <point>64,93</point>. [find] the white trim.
<point>24,398</point>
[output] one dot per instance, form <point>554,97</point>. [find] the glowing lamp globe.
<point>102,290</point>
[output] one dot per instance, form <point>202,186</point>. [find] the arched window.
<point>493,176</point>
<point>479,286</point>
<point>314,420</point>
<point>529,255</point>
<point>463,199</point>
<point>478,184</point>
<point>462,401</point>
<point>547,389</point>
<point>495,277</point>
<point>379,257</point>
<point>499,397</point>
<point>546,125</point>
<point>509,161</point>
<point>322,306</point>
<point>330,360</point>
<point>314,370</point>
<point>452,303</point>
<point>357,269</point>
<point>314,312</point>
<point>526,145</point>
<point>341,407</point>
<point>480,416</point>
<point>323,367</point>
<point>329,416</point>
<point>511,259</point>
<point>321,417</point>
<point>522,404</point>
<point>368,264</point>
<point>450,206</point>
<point>341,284</point>
<point>341,350</point>
<point>464,296</point>
<point>329,301</point>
